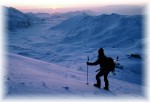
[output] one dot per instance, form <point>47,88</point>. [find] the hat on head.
<point>101,50</point>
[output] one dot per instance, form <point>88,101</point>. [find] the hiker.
<point>103,70</point>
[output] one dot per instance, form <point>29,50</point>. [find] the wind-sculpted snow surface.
<point>28,76</point>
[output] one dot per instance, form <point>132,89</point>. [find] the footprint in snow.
<point>8,79</point>
<point>66,88</point>
<point>22,83</point>
<point>44,85</point>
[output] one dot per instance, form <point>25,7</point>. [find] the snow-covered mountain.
<point>107,30</point>
<point>75,13</point>
<point>42,15</point>
<point>28,76</point>
<point>62,16</point>
<point>17,19</point>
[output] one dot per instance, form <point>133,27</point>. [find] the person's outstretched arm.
<point>93,63</point>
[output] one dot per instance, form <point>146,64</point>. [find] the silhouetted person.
<point>103,70</point>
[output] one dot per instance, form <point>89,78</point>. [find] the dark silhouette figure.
<point>104,71</point>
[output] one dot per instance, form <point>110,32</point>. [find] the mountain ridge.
<point>101,27</point>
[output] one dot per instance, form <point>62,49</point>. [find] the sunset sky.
<point>57,4</point>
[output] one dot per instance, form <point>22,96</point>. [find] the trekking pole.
<point>87,70</point>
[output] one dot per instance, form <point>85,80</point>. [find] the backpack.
<point>110,64</point>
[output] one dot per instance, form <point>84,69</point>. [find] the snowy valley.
<point>49,56</point>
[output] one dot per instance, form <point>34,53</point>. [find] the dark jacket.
<point>100,61</point>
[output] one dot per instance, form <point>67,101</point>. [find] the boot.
<point>96,85</point>
<point>106,88</point>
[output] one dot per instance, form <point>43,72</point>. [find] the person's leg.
<point>99,74</point>
<point>106,81</point>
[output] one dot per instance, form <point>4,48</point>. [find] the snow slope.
<point>31,77</point>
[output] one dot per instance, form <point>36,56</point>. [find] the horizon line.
<point>70,9</point>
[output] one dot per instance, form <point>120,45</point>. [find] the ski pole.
<point>87,70</point>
